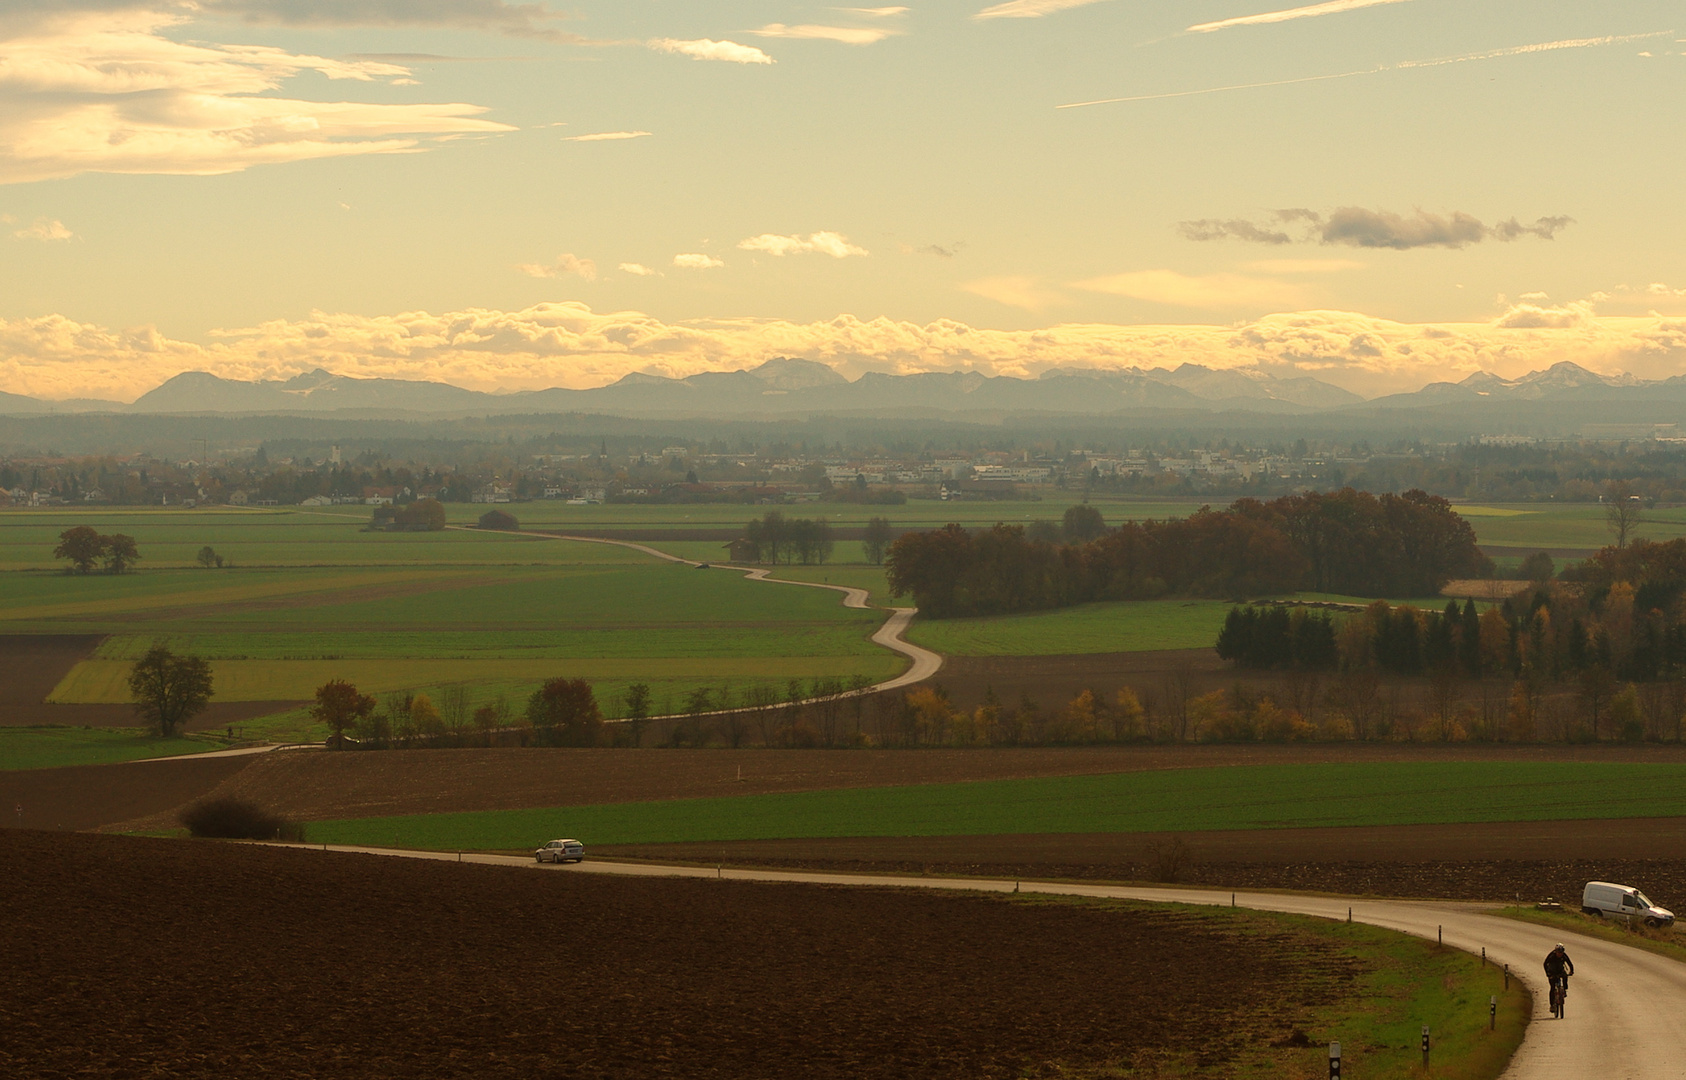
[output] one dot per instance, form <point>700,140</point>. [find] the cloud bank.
<point>1356,226</point>
<point>708,49</point>
<point>107,92</point>
<point>823,243</point>
<point>568,344</point>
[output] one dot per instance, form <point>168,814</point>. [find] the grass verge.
<point>1186,800</point>
<point>1662,942</point>
<point>54,747</point>
<point>1401,984</point>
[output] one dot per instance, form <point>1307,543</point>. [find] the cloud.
<point>107,92</point>
<point>1213,229</point>
<point>705,49</point>
<point>492,16</point>
<point>1356,226</point>
<point>1535,316</point>
<point>877,12</point>
<point>45,230</point>
<point>1333,7</point>
<point>606,136</point>
<point>1212,292</point>
<point>637,270</point>
<point>695,261</point>
<point>1029,9</point>
<point>1020,292</point>
<point>564,265</point>
<point>824,243</point>
<point>848,35</point>
<point>568,344</point>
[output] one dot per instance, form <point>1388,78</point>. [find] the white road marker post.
<point>1492,1012</point>
<point>1425,1048</point>
<point>1507,976</point>
<point>1334,1061</point>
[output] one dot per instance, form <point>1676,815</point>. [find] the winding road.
<point>925,663</point>
<point>1626,1016</point>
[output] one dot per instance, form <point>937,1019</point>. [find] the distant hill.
<point>1560,398</point>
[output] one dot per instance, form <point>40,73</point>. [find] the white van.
<point>1603,898</point>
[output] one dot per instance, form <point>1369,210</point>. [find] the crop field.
<point>313,599</point>
<point>1572,526</point>
<point>51,748</point>
<point>1119,626</point>
<point>1187,800</point>
<point>703,980</point>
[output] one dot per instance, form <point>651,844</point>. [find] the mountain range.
<point>803,387</point>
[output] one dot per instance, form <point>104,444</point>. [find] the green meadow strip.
<point>1190,800</point>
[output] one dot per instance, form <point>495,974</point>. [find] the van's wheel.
<point>1595,913</point>
<point>1652,923</point>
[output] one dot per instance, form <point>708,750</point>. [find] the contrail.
<point>1403,65</point>
<point>1333,7</point>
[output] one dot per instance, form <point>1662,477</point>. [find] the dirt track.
<point>218,960</point>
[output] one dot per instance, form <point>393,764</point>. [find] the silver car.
<point>561,851</point>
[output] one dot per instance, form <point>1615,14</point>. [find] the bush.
<point>237,819</point>
<point>497,519</point>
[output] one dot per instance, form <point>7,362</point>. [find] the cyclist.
<point>1558,968</point>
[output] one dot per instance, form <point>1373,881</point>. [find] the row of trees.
<point>1348,542</point>
<point>422,515</point>
<point>84,547</point>
<point>777,539</point>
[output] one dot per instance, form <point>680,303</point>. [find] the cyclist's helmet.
<point>1559,945</point>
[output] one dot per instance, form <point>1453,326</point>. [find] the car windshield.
<point>1644,901</point>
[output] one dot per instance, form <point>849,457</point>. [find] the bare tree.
<point>1623,511</point>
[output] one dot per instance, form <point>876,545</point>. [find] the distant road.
<point>925,662</point>
<point>1626,1016</point>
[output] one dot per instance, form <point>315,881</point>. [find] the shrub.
<point>497,519</point>
<point>237,819</point>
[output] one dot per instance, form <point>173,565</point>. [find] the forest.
<point>1348,541</point>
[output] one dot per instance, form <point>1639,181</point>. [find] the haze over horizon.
<point>507,196</point>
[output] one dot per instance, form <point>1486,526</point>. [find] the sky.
<point>513,195</point>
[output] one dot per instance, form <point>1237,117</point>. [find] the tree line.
<point>1349,542</point>
<point>84,546</point>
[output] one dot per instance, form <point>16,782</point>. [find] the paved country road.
<point>1626,1015</point>
<point>925,662</point>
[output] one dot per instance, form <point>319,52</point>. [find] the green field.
<point>316,599</point>
<point>1118,626</point>
<point>1184,800</point>
<point>1537,526</point>
<point>53,747</point>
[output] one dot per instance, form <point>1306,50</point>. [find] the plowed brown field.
<point>128,957</point>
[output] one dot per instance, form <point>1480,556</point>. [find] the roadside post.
<point>1507,976</point>
<point>1440,935</point>
<point>1483,956</point>
<point>1492,1012</point>
<point>1425,1047</point>
<point>1334,1061</point>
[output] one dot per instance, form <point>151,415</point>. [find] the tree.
<point>1623,512</point>
<point>120,552</point>
<point>564,712</point>
<point>82,546</point>
<point>876,539</point>
<point>497,519</point>
<point>169,690</point>
<point>341,707</point>
<point>1082,523</point>
<point>1538,568</point>
<point>637,710</point>
<point>208,558</point>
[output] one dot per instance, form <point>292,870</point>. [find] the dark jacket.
<point>1558,964</point>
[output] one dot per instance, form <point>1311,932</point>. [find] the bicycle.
<point>1559,994</point>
